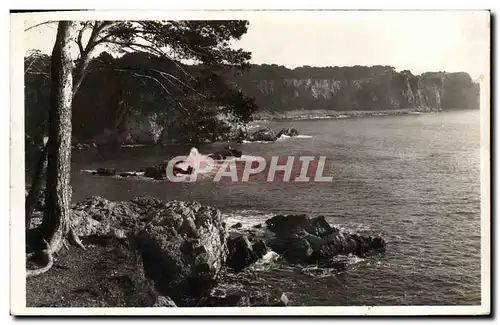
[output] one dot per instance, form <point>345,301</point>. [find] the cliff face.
<point>371,89</point>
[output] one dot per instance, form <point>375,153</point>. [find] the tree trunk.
<point>80,72</point>
<point>56,219</point>
<point>36,185</point>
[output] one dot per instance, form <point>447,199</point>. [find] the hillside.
<point>276,88</point>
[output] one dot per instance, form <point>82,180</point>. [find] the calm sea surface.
<point>414,179</point>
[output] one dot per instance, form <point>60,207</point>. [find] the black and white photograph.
<point>250,162</point>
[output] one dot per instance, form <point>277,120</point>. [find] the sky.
<point>418,41</point>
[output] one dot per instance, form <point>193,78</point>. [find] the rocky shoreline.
<point>260,135</point>
<point>184,254</point>
<point>329,114</point>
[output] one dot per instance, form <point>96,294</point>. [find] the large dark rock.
<point>241,253</point>
<point>293,224</point>
<point>158,171</point>
<point>293,248</point>
<point>244,250</point>
<point>260,248</point>
<point>183,247</point>
<point>225,153</point>
<point>182,244</point>
<point>263,134</point>
<point>179,171</point>
<point>291,132</point>
<point>301,240</point>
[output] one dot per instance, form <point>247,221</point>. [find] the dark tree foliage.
<point>37,91</point>
<point>172,68</point>
<point>207,43</point>
<point>114,88</point>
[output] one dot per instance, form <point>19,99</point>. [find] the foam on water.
<point>248,218</point>
<point>246,141</point>
<point>319,272</point>
<point>266,262</point>
<point>242,158</point>
<point>322,272</point>
<point>300,136</point>
<point>282,138</point>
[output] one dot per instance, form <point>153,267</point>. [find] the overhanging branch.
<point>158,82</point>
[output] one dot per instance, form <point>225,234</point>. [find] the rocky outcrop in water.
<point>265,134</point>
<point>262,134</point>
<point>157,171</point>
<point>289,132</point>
<point>225,153</point>
<point>301,240</point>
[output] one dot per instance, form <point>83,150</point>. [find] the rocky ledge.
<point>261,135</point>
<point>188,255</point>
<point>181,245</point>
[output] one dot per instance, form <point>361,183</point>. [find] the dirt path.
<point>106,274</point>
